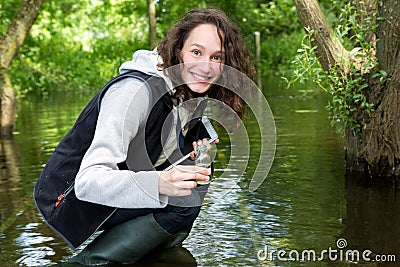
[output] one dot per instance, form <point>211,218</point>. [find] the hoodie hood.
<point>146,61</point>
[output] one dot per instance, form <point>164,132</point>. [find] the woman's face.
<point>202,57</point>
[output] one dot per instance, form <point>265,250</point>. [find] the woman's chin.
<point>199,88</point>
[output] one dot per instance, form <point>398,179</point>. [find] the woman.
<point>120,186</point>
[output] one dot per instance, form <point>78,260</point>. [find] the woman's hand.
<point>200,142</point>
<point>179,180</point>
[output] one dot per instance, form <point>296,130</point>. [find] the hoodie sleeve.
<point>123,110</point>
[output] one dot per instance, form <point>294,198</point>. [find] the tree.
<point>365,78</point>
<point>9,45</point>
<point>151,10</point>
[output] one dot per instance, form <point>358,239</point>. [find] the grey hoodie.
<point>122,116</point>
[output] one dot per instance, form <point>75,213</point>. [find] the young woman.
<point>119,142</point>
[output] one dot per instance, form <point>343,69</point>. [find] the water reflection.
<point>32,250</point>
<point>10,158</point>
<point>373,216</point>
<point>306,202</point>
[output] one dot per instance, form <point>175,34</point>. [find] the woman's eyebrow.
<point>198,45</point>
<point>203,47</point>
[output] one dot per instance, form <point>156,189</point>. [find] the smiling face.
<point>202,57</point>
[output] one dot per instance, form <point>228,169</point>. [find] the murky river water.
<point>306,205</point>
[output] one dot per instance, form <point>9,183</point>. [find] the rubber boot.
<point>177,238</point>
<point>167,257</point>
<point>170,253</point>
<point>124,243</point>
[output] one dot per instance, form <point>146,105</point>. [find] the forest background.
<point>79,45</point>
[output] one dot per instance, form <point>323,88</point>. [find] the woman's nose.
<point>205,66</point>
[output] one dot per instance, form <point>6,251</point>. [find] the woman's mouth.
<point>200,78</point>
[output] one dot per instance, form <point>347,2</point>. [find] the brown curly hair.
<point>236,54</point>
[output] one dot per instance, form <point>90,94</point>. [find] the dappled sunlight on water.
<point>33,251</point>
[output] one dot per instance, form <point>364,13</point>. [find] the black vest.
<point>75,220</point>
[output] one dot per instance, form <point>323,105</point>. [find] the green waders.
<point>127,242</point>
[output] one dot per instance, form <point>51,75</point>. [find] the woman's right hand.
<point>179,180</point>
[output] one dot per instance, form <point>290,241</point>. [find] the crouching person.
<point>110,172</point>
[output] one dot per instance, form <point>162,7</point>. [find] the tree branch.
<point>151,10</point>
<point>18,30</point>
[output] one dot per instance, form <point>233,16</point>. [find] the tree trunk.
<point>8,105</point>
<point>329,49</point>
<point>9,45</point>
<point>152,23</point>
<point>374,149</point>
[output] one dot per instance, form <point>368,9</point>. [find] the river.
<point>307,206</point>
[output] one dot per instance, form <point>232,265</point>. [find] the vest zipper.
<point>64,195</point>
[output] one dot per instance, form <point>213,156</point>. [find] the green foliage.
<point>8,10</point>
<point>346,82</point>
<point>278,52</point>
<point>306,65</point>
<point>277,22</point>
<point>276,17</point>
<point>79,45</point>
<point>281,32</point>
<point>169,12</point>
<point>349,103</point>
<point>243,13</point>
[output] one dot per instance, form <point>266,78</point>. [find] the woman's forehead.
<point>205,36</point>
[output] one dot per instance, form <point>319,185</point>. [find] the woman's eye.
<point>217,58</point>
<point>196,52</point>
